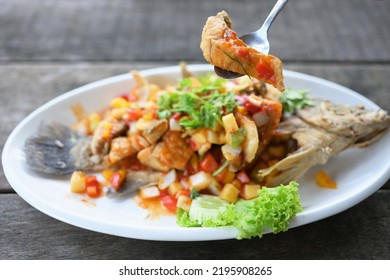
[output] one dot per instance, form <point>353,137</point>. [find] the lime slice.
<point>206,207</point>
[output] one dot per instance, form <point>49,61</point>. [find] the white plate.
<point>358,172</point>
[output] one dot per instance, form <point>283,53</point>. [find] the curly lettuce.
<point>271,210</point>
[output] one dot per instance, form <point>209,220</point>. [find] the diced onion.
<point>230,153</point>
<point>149,192</point>
<point>174,125</point>
<point>169,178</point>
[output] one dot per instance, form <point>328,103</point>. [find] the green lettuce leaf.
<point>271,210</point>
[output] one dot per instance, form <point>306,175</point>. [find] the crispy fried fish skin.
<point>221,47</point>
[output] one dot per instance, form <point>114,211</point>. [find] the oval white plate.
<point>358,172</point>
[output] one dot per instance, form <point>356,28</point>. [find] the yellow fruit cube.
<point>229,193</point>
<point>78,182</point>
<point>250,191</point>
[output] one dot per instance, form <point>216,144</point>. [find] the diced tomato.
<point>93,186</point>
<point>246,104</point>
<point>265,71</point>
<point>193,145</point>
<point>91,181</point>
<point>169,202</point>
<point>107,173</point>
<point>242,177</point>
<point>117,179</point>
<point>242,52</point>
<point>177,116</point>
<point>93,191</point>
<point>125,96</point>
<point>229,35</point>
<point>209,164</point>
<point>163,192</point>
<point>134,114</point>
<point>133,96</point>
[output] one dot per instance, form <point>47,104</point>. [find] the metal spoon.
<point>257,40</point>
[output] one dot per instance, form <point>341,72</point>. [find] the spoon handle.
<point>272,15</point>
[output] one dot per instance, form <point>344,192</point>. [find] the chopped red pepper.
<point>242,52</point>
<point>177,116</point>
<point>242,177</point>
<point>209,164</point>
<point>124,96</point>
<point>117,179</point>
<point>265,71</point>
<point>134,114</point>
<point>93,186</point>
<point>133,96</point>
<point>169,202</point>
<point>193,145</point>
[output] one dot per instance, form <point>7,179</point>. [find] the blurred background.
<point>117,30</point>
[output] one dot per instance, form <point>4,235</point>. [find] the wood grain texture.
<point>154,30</point>
<point>358,233</point>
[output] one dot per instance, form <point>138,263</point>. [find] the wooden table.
<point>48,47</point>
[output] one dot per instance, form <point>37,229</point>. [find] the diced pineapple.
<point>230,123</point>
<point>174,187</point>
<point>203,148</point>
<point>229,193</point>
<point>94,120</point>
<point>78,182</point>
<point>237,183</point>
<point>142,124</point>
<point>229,177</point>
<point>200,136</point>
<point>200,180</point>
<point>119,102</point>
<point>184,202</point>
<point>118,113</point>
<point>149,192</point>
<point>249,191</point>
<point>215,138</point>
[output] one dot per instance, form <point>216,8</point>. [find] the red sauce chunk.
<point>265,71</point>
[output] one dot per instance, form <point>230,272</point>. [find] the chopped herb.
<point>194,193</point>
<point>202,104</point>
<point>236,60</point>
<point>293,100</point>
<point>238,137</point>
<point>221,168</point>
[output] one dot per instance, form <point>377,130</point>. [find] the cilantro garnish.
<point>236,60</point>
<point>238,137</point>
<point>293,100</point>
<point>201,104</point>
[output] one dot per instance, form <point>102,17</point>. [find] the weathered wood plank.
<point>348,235</point>
<point>104,30</point>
